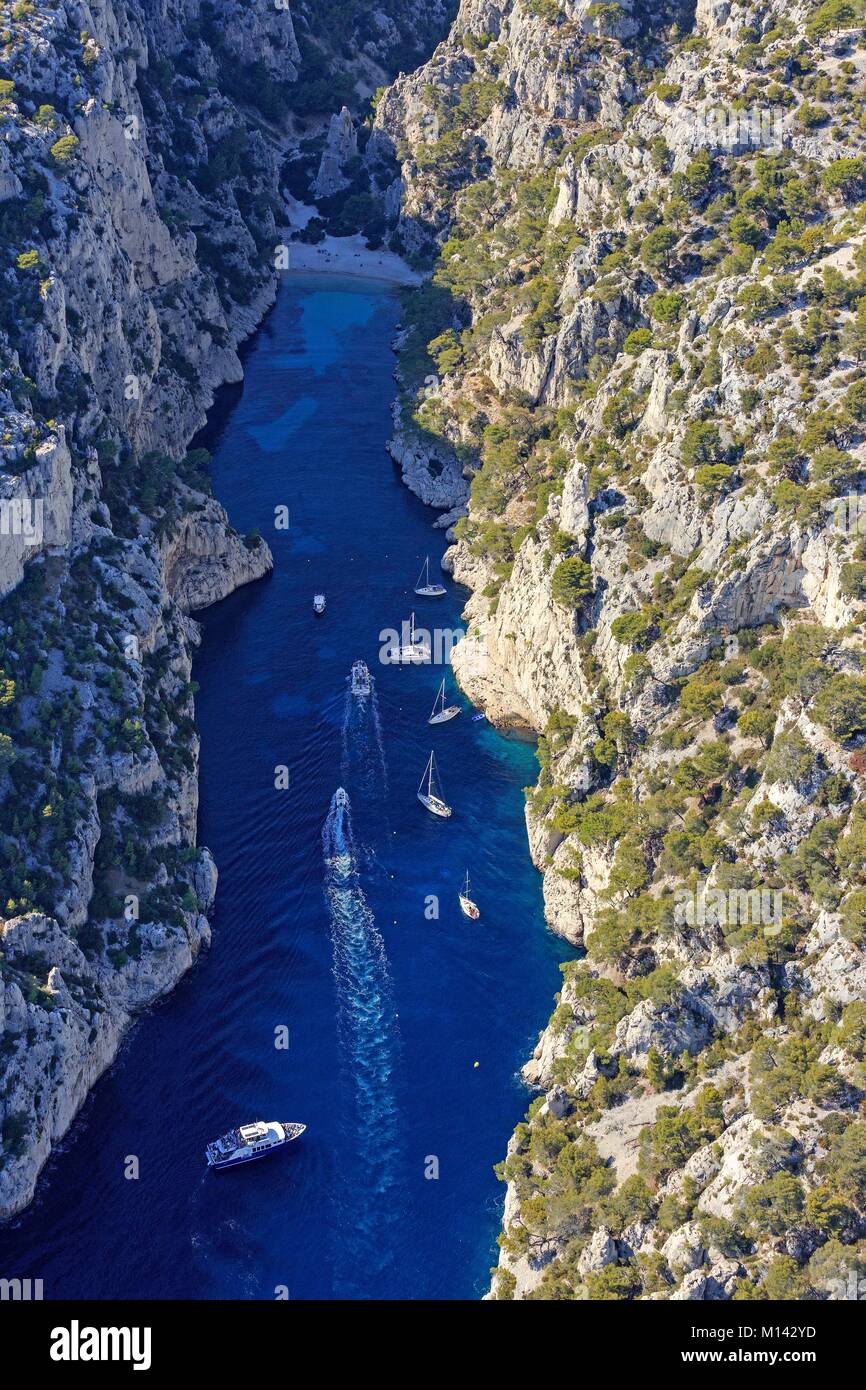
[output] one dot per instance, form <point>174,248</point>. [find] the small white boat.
<point>467,906</point>
<point>424,588</point>
<point>249,1142</point>
<point>417,650</point>
<point>429,789</point>
<point>362,681</point>
<point>442,712</point>
<point>318,603</point>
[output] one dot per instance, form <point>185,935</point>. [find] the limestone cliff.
<point>130,276</point>
<point>640,358</point>
<point>141,220</point>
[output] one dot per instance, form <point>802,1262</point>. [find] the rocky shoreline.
<point>619,363</point>
<point>62,1028</point>
<point>633,389</point>
<point>156,255</point>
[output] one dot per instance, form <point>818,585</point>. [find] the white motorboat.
<point>318,603</point>
<point>248,1142</point>
<point>362,681</point>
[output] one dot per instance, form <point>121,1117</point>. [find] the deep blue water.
<point>320,923</point>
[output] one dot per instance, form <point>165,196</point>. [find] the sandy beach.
<point>345,255</point>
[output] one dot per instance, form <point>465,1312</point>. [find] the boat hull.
<point>219,1165</point>
<point>361,680</point>
<point>468,908</point>
<point>436,808</point>
<point>432,591</point>
<point>445,715</point>
<point>291,1132</point>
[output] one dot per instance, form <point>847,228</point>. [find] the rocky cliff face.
<point>134,262</point>
<point>639,357</point>
<point>141,219</point>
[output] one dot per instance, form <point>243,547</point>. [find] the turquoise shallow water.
<point>323,922</point>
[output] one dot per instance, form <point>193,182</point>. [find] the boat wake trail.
<point>363,759</point>
<point>369,1041</point>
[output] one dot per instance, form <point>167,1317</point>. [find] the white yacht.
<point>428,791</point>
<point>318,603</point>
<point>441,712</point>
<point>424,588</point>
<point>248,1142</point>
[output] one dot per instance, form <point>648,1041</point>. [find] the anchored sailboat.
<point>441,712</point>
<point>414,650</point>
<point>424,588</point>
<point>467,906</point>
<point>429,789</point>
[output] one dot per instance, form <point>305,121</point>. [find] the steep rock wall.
<point>642,355</point>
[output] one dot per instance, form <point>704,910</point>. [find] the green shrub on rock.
<point>841,706</point>
<point>65,150</point>
<point>572,582</point>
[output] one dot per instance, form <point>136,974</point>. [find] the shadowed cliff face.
<point>119,324</point>
<point>639,357</point>
<point>140,219</point>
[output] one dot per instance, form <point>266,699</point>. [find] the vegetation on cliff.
<point>644,343</point>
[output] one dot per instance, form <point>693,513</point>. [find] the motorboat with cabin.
<point>252,1141</point>
<point>361,680</point>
